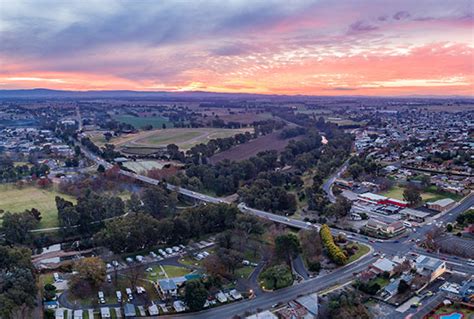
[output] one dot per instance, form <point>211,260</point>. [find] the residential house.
<point>310,302</point>
<point>392,288</point>
<point>168,287</point>
<point>383,265</point>
<point>430,267</point>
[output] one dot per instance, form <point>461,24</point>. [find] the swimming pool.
<point>454,315</point>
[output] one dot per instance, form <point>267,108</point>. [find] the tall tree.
<point>195,295</point>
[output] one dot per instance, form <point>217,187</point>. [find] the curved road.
<point>339,276</point>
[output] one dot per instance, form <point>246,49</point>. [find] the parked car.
<point>109,278</point>
<point>129,293</point>
<point>100,294</point>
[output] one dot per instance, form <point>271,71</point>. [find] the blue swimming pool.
<point>454,315</point>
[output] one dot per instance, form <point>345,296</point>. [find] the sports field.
<point>16,200</point>
<point>185,138</point>
<point>139,122</point>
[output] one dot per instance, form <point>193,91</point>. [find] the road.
<point>327,185</point>
<point>265,301</point>
<point>339,276</point>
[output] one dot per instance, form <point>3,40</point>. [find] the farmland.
<point>244,151</point>
<point>16,200</point>
<point>139,122</point>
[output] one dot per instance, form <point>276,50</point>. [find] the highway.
<point>402,247</point>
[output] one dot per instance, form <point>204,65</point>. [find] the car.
<point>115,263</point>
<point>129,293</point>
<point>109,278</point>
<point>287,219</point>
<point>308,223</point>
<point>152,254</point>
<point>100,294</point>
<point>119,296</point>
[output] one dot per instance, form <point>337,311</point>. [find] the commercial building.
<point>378,227</point>
<point>414,215</point>
<point>441,205</point>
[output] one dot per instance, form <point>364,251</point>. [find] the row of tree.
<point>335,253</point>
<point>143,231</point>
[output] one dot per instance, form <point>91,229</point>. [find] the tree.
<point>403,287</point>
<point>18,289</point>
<point>334,251</point>
<point>276,277</point>
<point>90,270</point>
<point>355,170</point>
<point>101,168</point>
<point>449,227</point>
<point>195,295</point>
<point>17,227</point>
<point>287,247</point>
<point>412,195</point>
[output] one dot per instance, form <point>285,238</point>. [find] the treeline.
<point>292,132</point>
<point>11,173</point>
<point>334,251</point>
<point>86,217</point>
<point>143,231</point>
<point>107,152</point>
<point>225,177</point>
<point>263,194</point>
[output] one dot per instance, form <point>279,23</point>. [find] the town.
<point>262,212</point>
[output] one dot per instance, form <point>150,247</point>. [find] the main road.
<point>339,276</point>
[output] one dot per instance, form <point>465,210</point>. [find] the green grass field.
<point>428,196</point>
<point>185,138</point>
<point>139,122</point>
<point>17,200</point>
<point>362,250</point>
<point>171,271</point>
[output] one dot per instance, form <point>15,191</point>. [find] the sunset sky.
<point>332,47</point>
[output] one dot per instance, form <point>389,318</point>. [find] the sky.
<point>356,47</point>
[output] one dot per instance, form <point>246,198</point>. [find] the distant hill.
<point>41,93</point>
<point>47,93</point>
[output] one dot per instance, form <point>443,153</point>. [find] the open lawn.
<point>430,195</point>
<point>362,250</point>
<point>244,272</point>
<point>16,200</point>
<point>171,271</point>
<point>139,122</point>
